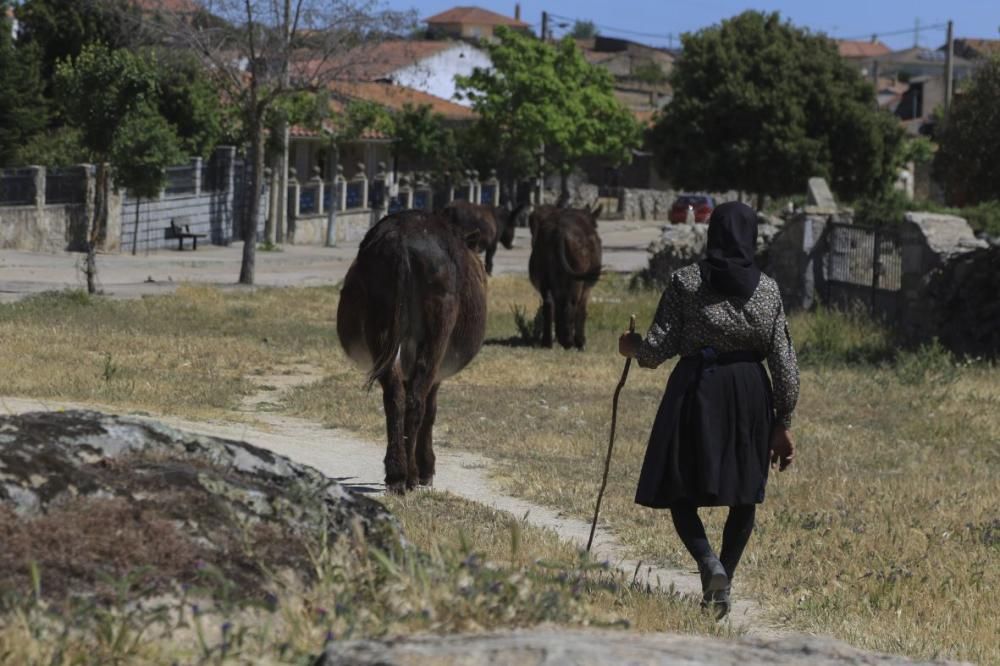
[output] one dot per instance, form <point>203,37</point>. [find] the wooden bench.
<point>180,231</point>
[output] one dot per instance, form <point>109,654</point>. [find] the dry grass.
<point>188,354</point>
<point>472,569</point>
<point>885,533</point>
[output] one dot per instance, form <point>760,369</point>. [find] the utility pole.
<point>949,69</point>
<point>916,32</point>
<point>545,26</point>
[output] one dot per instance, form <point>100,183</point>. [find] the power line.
<point>901,31</point>
<point>611,29</point>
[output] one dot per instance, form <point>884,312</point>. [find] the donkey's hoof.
<point>395,488</point>
<point>427,481</point>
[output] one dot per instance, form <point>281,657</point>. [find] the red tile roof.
<point>370,63</point>
<point>395,97</point>
<point>474,16</point>
<point>860,49</point>
<point>387,95</point>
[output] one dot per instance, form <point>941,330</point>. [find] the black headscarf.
<point>732,242</point>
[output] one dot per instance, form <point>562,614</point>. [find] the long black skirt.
<point>711,437</point>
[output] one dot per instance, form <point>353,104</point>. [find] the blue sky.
<point>841,18</point>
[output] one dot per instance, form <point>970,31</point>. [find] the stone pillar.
<point>196,165</point>
<point>493,187</point>
<point>405,193</point>
<point>38,180</point>
<point>226,156</point>
<point>317,182</point>
<point>294,191</point>
<point>340,189</point>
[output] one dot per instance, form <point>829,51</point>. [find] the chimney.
<point>517,12</point>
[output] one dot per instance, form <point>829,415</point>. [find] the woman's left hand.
<point>628,344</point>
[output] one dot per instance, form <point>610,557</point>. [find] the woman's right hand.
<point>628,344</point>
<point>782,448</point>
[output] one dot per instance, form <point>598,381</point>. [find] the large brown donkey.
<point>412,312</point>
<point>564,266</point>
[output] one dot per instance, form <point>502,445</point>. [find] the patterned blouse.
<point>691,315</point>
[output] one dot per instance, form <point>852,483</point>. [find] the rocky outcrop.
<point>554,647</point>
<point>89,497</point>
<point>962,301</point>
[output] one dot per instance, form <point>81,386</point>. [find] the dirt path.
<point>358,465</point>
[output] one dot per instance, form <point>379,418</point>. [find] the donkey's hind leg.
<point>394,401</point>
<point>425,442</point>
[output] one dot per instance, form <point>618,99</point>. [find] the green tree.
<point>422,136</point>
<point>189,102</point>
<point>540,96</point>
<point>968,160</point>
<point>257,57</point>
<point>583,30</point>
<point>760,105</point>
<point>22,106</point>
<point>346,125</point>
<point>121,125</point>
<point>60,29</point>
<point>145,144</point>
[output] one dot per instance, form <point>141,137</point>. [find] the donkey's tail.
<point>588,276</point>
<point>392,337</point>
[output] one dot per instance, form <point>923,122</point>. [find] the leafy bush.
<point>984,217</point>
<point>930,363</point>
<point>829,337</point>
<point>890,208</point>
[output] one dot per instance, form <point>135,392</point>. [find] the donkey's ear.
<point>596,212</point>
<point>471,239</point>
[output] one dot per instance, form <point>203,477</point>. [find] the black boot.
<point>714,587</point>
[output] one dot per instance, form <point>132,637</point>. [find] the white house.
<point>435,74</point>
<point>429,66</point>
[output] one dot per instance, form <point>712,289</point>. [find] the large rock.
<point>678,246</point>
<point>944,236</point>
<point>88,497</point>
<point>962,303</point>
<point>554,647</point>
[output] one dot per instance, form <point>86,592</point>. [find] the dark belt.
<point>708,357</point>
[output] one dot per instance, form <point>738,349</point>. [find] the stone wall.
<point>351,226</point>
<point>639,204</point>
<point>56,228</point>
<point>212,209</point>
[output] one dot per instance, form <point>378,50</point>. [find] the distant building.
<point>426,65</point>
<point>976,49</point>
<point>850,49</point>
<point>310,149</point>
<point>918,61</point>
<point>640,72</point>
<point>472,23</point>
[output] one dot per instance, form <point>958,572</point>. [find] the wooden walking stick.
<point>611,439</point>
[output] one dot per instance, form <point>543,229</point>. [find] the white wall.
<point>436,75</point>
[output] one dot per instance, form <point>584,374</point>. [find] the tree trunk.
<point>253,214</point>
<point>563,189</point>
<point>100,202</point>
<point>135,228</point>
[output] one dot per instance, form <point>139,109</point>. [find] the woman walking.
<point>720,423</point>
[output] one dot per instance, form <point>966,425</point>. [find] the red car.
<point>699,205</point>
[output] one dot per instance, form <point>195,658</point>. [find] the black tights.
<point>736,533</point>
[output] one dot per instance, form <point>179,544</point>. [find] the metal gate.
<point>864,267</point>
